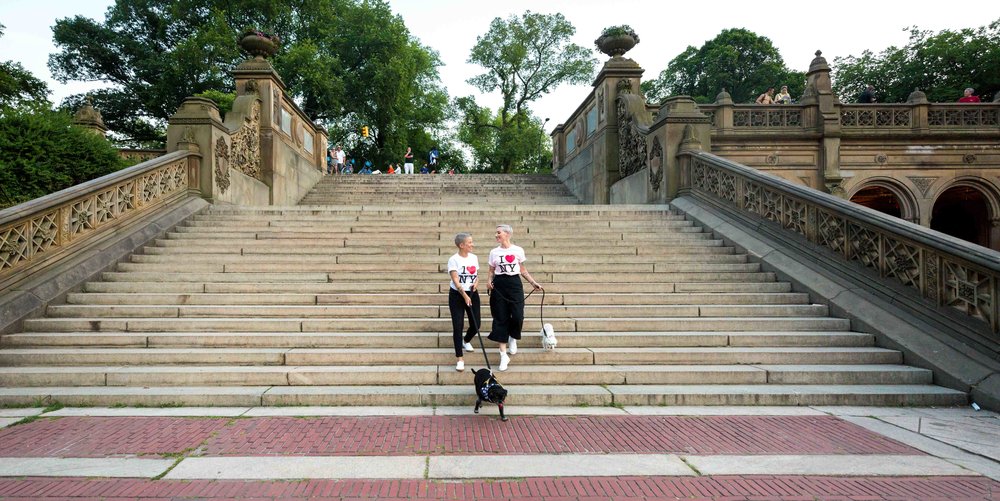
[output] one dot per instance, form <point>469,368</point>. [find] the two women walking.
<point>506,263</point>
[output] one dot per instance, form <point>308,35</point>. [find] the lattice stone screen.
<point>946,271</point>
<point>37,230</point>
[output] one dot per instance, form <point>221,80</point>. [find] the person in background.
<point>968,97</point>
<point>766,97</point>
<point>408,161</point>
<point>338,160</point>
<point>366,168</point>
<point>391,170</point>
<point>423,169</point>
<point>783,97</point>
<point>868,96</point>
<point>433,157</point>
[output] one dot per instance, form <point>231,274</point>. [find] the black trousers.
<point>507,308</point>
<point>457,307</point>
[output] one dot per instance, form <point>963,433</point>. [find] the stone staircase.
<point>344,302</point>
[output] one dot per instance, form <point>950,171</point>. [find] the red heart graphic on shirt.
<point>471,270</point>
<point>509,258</point>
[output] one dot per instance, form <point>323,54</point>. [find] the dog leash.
<point>479,334</point>
<point>541,306</point>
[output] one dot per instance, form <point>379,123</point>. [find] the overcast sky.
<point>665,28</point>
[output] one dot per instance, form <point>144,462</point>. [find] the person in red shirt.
<point>968,97</point>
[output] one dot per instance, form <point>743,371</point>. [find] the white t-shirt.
<point>340,157</point>
<point>467,268</point>
<point>507,261</point>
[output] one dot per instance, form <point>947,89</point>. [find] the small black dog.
<point>488,389</point>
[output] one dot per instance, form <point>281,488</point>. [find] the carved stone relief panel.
<point>222,164</point>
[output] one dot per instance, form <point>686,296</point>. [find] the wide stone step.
<point>180,247</point>
<point>444,356</point>
<point>424,287</point>
<point>424,311</point>
<point>438,269</point>
<point>316,277</point>
<point>420,240</point>
<point>462,395</point>
<point>440,299</point>
<point>331,259</point>
<point>447,375</point>
<point>663,324</point>
<point>390,339</point>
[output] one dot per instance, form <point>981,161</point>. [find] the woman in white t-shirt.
<point>463,295</point>
<point>507,298</point>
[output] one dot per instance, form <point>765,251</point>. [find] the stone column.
<point>679,125</point>
<point>257,78</point>
<point>90,119</point>
<point>826,120</point>
<point>724,112</point>
<point>920,120</point>
<point>197,126</point>
<point>618,74</point>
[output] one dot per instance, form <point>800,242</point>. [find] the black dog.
<point>488,389</point>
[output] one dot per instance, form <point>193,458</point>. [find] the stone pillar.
<point>920,111</point>
<point>826,120</point>
<point>257,78</point>
<point>197,126</point>
<point>679,125</point>
<point>724,112</point>
<point>90,119</point>
<point>618,74</point>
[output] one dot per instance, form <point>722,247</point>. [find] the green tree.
<point>493,146</point>
<point>347,63</point>
<point>525,57</point>
<point>42,152</point>
<point>940,64</point>
<point>737,60</point>
<point>18,86</point>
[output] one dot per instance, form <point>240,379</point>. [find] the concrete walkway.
<point>541,453</point>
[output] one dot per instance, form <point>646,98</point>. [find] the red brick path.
<point>729,488</point>
<point>742,435</point>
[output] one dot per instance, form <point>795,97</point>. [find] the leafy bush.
<point>42,152</point>
<point>224,100</point>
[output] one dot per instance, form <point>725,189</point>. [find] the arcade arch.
<point>888,197</point>
<point>967,209</point>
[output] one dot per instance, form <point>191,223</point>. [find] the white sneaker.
<point>468,347</point>
<point>512,346</point>
<point>504,360</point>
<point>460,366</point>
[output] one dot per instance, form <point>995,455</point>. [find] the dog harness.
<point>485,390</point>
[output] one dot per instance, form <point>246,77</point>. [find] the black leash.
<point>479,334</point>
<point>541,306</point>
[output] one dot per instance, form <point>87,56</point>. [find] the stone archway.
<point>887,198</point>
<point>966,210</point>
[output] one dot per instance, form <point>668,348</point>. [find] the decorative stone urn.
<point>258,44</point>
<point>616,40</point>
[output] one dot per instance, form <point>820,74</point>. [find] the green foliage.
<point>522,145</point>
<point>525,57</point>
<point>224,100</point>
<point>619,30</point>
<point>941,65</point>
<point>41,152</point>
<point>347,63</point>
<point>18,86</point>
<point>736,60</point>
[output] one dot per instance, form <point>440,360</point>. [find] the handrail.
<point>948,271</point>
<point>49,226</point>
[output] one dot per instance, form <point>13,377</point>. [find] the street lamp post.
<point>541,147</point>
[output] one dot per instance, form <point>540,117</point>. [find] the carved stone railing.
<point>54,225</point>
<point>877,116</point>
<point>944,270</point>
<point>963,115</point>
<point>758,116</point>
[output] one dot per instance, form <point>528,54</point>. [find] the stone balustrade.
<point>941,269</point>
<point>37,232</point>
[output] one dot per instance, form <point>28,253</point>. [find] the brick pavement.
<point>73,437</point>
<point>409,435</point>
<point>729,488</point>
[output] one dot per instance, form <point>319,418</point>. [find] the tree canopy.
<point>737,60</point>
<point>347,63</point>
<point>18,85</point>
<point>940,64</point>
<point>525,58</point>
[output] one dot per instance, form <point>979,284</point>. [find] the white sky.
<point>665,28</point>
